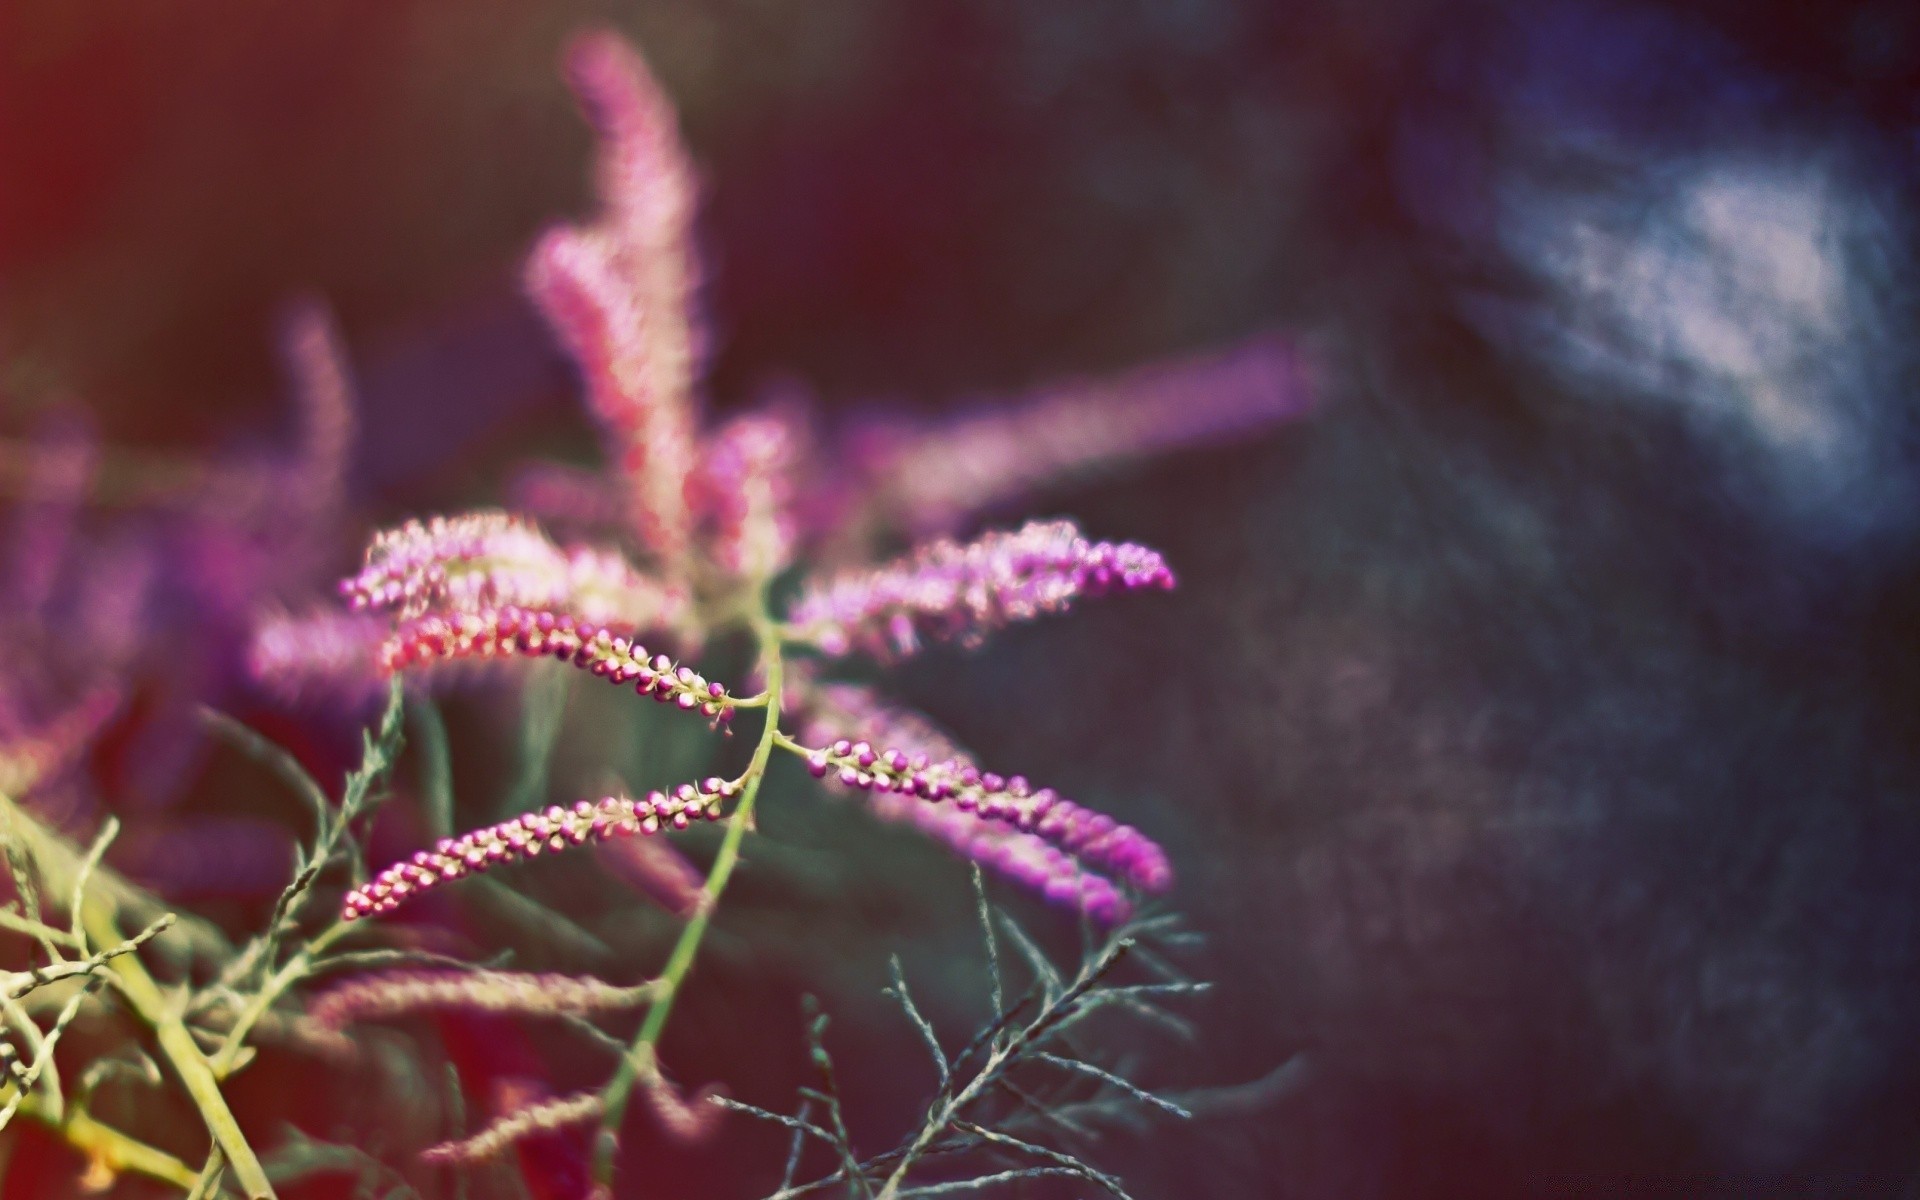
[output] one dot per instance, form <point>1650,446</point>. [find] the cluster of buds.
<point>1092,837</point>
<point>1020,837</point>
<point>513,631</point>
<point>949,589</point>
<point>516,993</point>
<point>531,834</point>
<point>1027,859</point>
<point>487,559</point>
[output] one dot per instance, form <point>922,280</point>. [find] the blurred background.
<point>1534,729</point>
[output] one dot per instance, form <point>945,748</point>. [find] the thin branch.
<point>993,943</point>
<point>88,866</point>
<point>899,992</point>
<point>1114,1081</point>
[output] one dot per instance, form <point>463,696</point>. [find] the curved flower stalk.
<point>921,778</point>
<point>687,1120</point>
<point>486,559</point>
<point>1093,837</point>
<point>502,632</point>
<point>386,995</point>
<point>532,834</point>
<point>929,478</point>
<point>952,590</point>
<point>619,291</point>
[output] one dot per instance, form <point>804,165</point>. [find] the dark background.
<point>1534,729</point>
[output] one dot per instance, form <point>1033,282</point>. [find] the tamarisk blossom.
<point>319,652</point>
<point>619,291</point>
<point>489,558</point>
<point>391,994</point>
<point>946,589</point>
<point>745,485</point>
<point>512,631</point>
<point>689,1121</point>
<point>930,477</point>
<point>316,361</point>
<point>920,778</point>
<point>531,834</point>
<point>542,1117</point>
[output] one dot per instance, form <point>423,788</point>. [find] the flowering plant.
<point>757,532</point>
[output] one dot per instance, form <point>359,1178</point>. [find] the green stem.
<point>640,1058</point>
<point>109,1148</point>
<point>276,985</point>
<point>178,1045</point>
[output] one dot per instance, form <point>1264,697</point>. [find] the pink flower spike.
<point>911,746</point>
<point>929,479</point>
<point>511,631</point>
<point>325,652</point>
<point>619,291</point>
<point>690,1122</point>
<point>745,487</point>
<point>503,1134</point>
<point>486,559</point>
<point>531,834</point>
<point>390,994</point>
<point>316,361</point>
<point>946,589</point>
<point>1095,839</point>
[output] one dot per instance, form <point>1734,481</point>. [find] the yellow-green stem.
<point>276,985</point>
<point>640,1059</point>
<point>107,1147</point>
<point>178,1045</point>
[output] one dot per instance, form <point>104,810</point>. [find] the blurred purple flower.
<point>946,589</point>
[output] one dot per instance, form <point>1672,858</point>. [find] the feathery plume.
<point>546,1116</point>
<point>316,361</point>
<point>486,559</point>
<point>928,478</point>
<point>512,993</point>
<point>619,292</point>
<point>745,485</point>
<point>687,1121</point>
<point>946,589</point>
<point>531,834</point>
<point>320,652</point>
